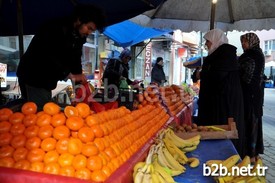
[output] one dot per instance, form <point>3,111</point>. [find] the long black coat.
<point>220,94</point>
<point>251,72</point>
<point>158,74</point>
<point>54,52</point>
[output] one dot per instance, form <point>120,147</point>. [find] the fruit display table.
<point>185,115</point>
<point>207,150</point>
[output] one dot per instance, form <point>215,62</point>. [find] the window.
<point>269,45</point>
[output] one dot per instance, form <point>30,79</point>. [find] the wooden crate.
<point>230,133</point>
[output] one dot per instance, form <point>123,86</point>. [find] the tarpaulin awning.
<point>127,33</point>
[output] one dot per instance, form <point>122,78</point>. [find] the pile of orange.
<point>75,142</point>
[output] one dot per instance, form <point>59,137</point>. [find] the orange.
<point>89,150</point>
<point>51,157</point>
<point>7,162</point>
<point>106,170</point>
<point>92,120</point>
<point>74,134</point>
<point>85,134</point>
<point>83,109</point>
<point>5,114</point>
<point>70,111</point>
<point>62,145</point>
<point>22,164</point>
<point>99,144</point>
<point>29,108</point>
<point>48,144</point>
<point>51,108</point>
<point>74,122</point>
<point>97,130</point>
<point>20,153</point>
<point>65,159</point>
<point>83,173</point>
<point>6,151</point>
<point>16,117</point>
<point>40,113</point>
<point>5,126</point>
<point>35,155</point>
<point>61,132</point>
<point>110,152</point>
<point>31,131</point>
<point>74,146</point>
<point>68,171</point>
<point>30,119</point>
<point>37,167</point>
<point>94,163</point>
<point>32,143</point>
<point>52,168</point>
<point>45,131</point>
<point>98,176</point>
<point>17,129</point>
<point>43,120</point>
<point>79,161</point>
<point>58,119</point>
<point>18,141</point>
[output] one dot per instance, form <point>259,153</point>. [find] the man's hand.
<point>78,78</point>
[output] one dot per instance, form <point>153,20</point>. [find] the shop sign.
<point>3,75</point>
<point>148,61</point>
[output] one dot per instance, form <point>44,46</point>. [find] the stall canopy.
<point>127,33</point>
<point>30,14</point>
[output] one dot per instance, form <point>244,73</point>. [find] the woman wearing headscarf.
<point>220,94</point>
<point>251,73</point>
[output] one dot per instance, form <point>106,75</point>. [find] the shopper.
<point>117,71</point>
<point>54,53</point>
<point>252,73</point>
<point>220,95</point>
<point>158,75</point>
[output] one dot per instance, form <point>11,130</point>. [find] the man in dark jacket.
<point>54,53</point>
<point>158,75</point>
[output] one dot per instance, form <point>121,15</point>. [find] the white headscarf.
<point>217,37</point>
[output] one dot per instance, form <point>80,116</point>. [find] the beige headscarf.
<point>217,37</point>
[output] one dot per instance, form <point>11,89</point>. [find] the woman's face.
<point>208,44</point>
<point>245,44</point>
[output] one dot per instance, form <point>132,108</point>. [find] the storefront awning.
<point>127,33</point>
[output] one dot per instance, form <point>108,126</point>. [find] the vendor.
<point>54,53</point>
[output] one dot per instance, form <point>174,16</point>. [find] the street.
<point>269,137</point>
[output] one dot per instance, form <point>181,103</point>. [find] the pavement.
<point>268,133</point>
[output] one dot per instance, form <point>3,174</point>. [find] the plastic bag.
<point>123,84</point>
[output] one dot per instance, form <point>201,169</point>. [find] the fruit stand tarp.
<point>207,150</point>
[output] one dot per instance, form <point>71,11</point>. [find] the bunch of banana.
<point>178,154</point>
<point>186,145</point>
<point>144,171</point>
<point>166,160</point>
<point>214,128</point>
<point>233,177</point>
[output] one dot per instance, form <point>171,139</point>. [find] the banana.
<point>138,166</point>
<point>213,161</point>
<point>245,162</point>
<point>138,176</point>
<point>215,128</point>
<point>258,163</point>
<point>159,170</point>
<point>193,162</point>
<point>155,177</point>
<point>175,151</point>
<point>172,161</point>
<point>147,177</point>
<point>220,180</point>
<point>189,149</point>
<point>231,161</point>
<point>181,143</point>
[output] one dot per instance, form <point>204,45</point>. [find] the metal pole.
<point>213,10</point>
<point>20,27</point>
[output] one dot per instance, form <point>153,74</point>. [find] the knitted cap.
<point>125,53</point>
<point>159,59</point>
